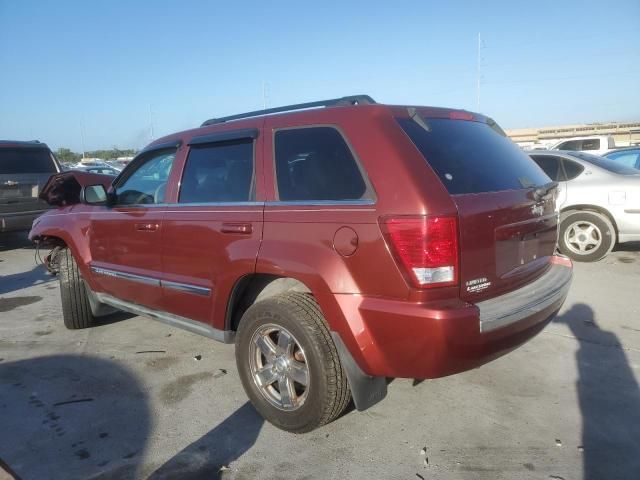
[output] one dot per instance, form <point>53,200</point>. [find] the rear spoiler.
<point>64,188</point>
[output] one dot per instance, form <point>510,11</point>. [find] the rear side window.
<point>472,157</point>
<point>551,166</point>
<point>573,145</point>
<point>219,172</point>
<point>592,144</point>
<point>315,163</point>
<point>26,160</point>
<point>572,169</point>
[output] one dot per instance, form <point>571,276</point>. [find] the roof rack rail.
<point>350,100</point>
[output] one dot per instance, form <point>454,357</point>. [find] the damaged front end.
<point>65,188</point>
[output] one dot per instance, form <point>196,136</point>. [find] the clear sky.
<point>107,64</point>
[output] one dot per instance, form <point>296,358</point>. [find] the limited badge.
<point>477,285</point>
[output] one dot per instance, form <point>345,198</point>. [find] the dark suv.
<point>337,243</point>
<point>24,169</point>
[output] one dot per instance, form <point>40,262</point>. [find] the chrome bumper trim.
<point>550,290</point>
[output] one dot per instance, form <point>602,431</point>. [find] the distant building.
<point>624,133</point>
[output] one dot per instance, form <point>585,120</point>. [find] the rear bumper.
<point>10,222</point>
<point>409,340</point>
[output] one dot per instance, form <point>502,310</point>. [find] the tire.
<point>296,317</point>
<point>76,309</point>
<point>586,236</point>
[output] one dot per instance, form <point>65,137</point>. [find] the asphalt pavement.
<point>133,398</point>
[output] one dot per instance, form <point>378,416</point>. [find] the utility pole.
<point>151,122</point>
<point>264,95</point>
<point>82,135</point>
<point>479,71</point>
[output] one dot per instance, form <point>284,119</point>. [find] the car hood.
<point>64,188</point>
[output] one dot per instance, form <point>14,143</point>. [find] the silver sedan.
<point>598,200</point>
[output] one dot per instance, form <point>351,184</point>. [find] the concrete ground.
<point>128,399</point>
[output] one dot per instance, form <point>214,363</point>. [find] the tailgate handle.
<point>237,228</point>
<point>146,227</point>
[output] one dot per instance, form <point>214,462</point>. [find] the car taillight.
<point>426,246</point>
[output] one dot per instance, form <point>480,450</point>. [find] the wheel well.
<point>253,288</point>
<point>593,208</point>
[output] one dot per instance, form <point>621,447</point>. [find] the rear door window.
<point>220,172</point>
<point>26,160</point>
<point>315,163</point>
<point>472,157</point>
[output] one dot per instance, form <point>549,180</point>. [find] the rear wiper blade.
<point>542,190</point>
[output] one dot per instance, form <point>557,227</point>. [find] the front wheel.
<point>289,365</point>
<point>76,308</point>
<point>586,236</point>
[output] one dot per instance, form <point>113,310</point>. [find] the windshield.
<point>605,163</point>
<point>25,160</point>
<point>473,157</point>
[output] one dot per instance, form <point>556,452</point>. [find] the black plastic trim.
<point>365,389</point>
<point>245,133</point>
<point>160,146</point>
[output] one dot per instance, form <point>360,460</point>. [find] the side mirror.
<point>94,195</point>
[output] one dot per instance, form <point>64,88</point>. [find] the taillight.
<point>426,247</point>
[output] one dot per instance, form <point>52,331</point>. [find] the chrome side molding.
<point>193,326</point>
<point>186,287</point>
<point>156,282</point>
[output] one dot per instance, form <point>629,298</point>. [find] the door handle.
<point>146,227</point>
<point>245,228</point>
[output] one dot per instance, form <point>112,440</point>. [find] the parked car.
<point>597,144</point>
<point>24,169</point>
<point>335,246</point>
<point>598,200</point>
<point>105,170</point>
<point>627,156</point>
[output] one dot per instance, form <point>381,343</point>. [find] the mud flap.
<point>365,389</point>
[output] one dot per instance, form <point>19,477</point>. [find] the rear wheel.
<point>76,309</point>
<point>586,236</point>
<point>289,365</point>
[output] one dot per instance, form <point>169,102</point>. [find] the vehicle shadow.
<point>80,417</point>
<point>17,281</point>
<point>207,457</point>
<point>627,247</point>
<point>71,416</point>
<point>609,399</point>
<point>14,240</point>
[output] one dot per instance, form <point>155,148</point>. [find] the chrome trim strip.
<point>185,287</point>
<point>195,204</point>
<point>319,203</point>
<point>193,326</point>
<point>632,210</point>
<point>126,276</point>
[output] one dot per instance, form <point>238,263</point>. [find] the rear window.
<point>25,160</point>
<point>472,157</point>
<point>315,163</point>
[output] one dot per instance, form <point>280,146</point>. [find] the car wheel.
<point>586,236</point>
<point>289,365</point>
<point>76,309</point>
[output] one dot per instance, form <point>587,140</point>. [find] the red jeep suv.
<point>337,243</point>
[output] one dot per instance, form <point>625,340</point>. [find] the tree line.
<point>65,155</point>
